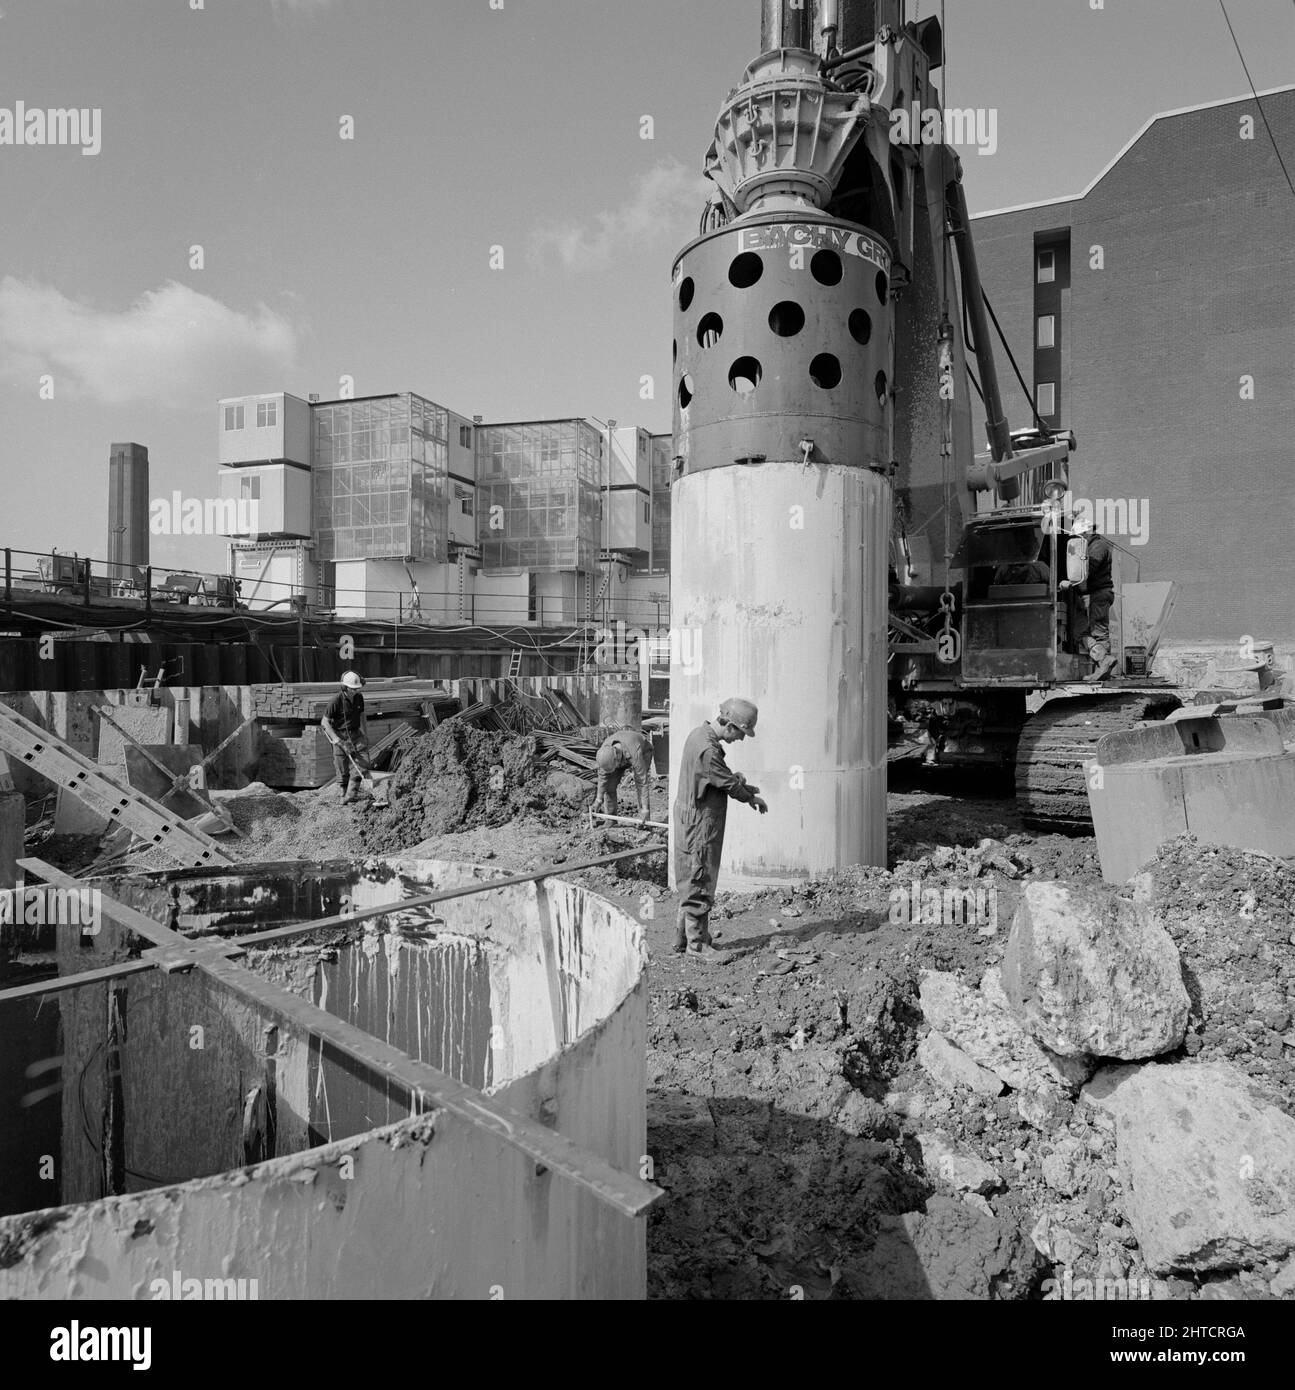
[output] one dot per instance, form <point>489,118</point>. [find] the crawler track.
<point>1050,787</point>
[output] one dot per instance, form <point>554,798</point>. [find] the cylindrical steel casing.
<point>779,579</point>
<point>779,567</point>
<point>798,304</point>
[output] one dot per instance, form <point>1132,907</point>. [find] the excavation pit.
<point>444,1101</point>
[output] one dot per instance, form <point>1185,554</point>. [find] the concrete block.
<point>70,719</point>
<point>1227,780</point>
<point>147,724</point>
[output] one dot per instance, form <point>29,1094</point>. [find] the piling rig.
<point>845,551</point>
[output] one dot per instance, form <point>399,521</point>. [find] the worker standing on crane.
<point>1099,587</point>
<point>706,782</point>
<point>624,749</point>
<point>346,728</point>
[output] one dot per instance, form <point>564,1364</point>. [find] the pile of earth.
<point>457,777</point>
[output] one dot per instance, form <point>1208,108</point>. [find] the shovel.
<point>374,783</point>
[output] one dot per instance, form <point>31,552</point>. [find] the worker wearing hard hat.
<point>1099,588</point>
<point>623,749</point>
<point>706,782</point>
<point>346,728</point>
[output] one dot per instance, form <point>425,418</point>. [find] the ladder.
<point>88,782</point>
<point>514,663</point>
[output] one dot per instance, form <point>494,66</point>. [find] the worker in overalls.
<point>345,728</point>
<point>626,748</point>
<point>1099,589</point>
<point>706,782</point>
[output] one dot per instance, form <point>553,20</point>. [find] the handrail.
<point>379,605</point>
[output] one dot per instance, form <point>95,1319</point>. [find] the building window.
<point>1046,392</point>
<point>647,513</point>
<point>233,417</point>
<point>1047,266</point>
<point>465,436</point>
<point>1047,332</point>
<point>250,487</point>
<point>267,414</point>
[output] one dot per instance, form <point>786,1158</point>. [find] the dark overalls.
<point>626,748</point>
<point>345,712</point>
<point>700,811</point>
<point>1100,588</point>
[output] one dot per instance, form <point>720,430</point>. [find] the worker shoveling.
<point>346,728</point>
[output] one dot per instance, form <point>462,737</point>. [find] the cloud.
<point>173,346</point>
<point>662,212</point>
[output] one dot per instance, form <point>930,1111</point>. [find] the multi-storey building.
<point>394,506</point>
<point>1160,303</point>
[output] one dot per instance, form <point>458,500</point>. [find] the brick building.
<point>1160,303</point>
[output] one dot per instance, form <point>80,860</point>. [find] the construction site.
<point>350,953</point>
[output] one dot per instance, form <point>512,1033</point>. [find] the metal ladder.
<point>88,782</point>
<point>514,663</point>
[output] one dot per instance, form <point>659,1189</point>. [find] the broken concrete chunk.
<point>982,1028</point>
<point>958,1167</point>
<point>1087,972</point>
<point>1044,1110</point>
<point>950,1251</point>
<point>1066,1167</point>
<point>977,1203</point>
<point>950,1067</point>
<point>1207,1163</point>
<point>1282,1284</point>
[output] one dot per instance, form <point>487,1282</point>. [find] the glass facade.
<point>538,501</point>
<point>380,479</point>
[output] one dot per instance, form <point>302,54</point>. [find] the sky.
<point>477,124</point>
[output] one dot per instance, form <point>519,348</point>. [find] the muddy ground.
<point>787,1173</point>
<point>785,1103</point>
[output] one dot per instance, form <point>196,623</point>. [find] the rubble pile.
<point>1231,914</point>
<point>1177,1172</point>
<point>1100,1096</point>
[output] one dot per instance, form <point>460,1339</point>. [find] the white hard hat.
<point>741,714</point>
<point>1081,526</point>
<point>351,680</point>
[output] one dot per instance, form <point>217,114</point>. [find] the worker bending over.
<point>1099,587</point>
<point>625,748</point>
<point>346,728</point>
<point>700,810</point>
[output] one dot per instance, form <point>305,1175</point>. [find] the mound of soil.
<point>453,778</point>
